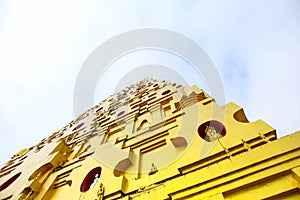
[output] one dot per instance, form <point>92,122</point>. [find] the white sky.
<point>255,46</point>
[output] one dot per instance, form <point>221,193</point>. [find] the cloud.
<point>272,51</point>
<point>255,46</point>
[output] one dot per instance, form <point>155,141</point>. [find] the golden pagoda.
<point>157,140</point>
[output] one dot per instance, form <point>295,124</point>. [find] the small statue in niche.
<point>153,169</point>
<point>211,134</point>
<point>94,181</point>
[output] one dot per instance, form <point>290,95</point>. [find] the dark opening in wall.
<point>166,92</point>
<point>211,130</point>
<point>90,179</point>
<point>9,181</point>
<point>121,113</point>
<point>78,127</point>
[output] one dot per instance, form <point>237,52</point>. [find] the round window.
<point>90,179</point>
<point>211,130</point>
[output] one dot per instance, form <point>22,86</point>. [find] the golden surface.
<point>157,141</point>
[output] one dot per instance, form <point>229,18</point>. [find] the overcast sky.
<point>255,46</point>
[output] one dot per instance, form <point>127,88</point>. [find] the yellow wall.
<point>157,141</point>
